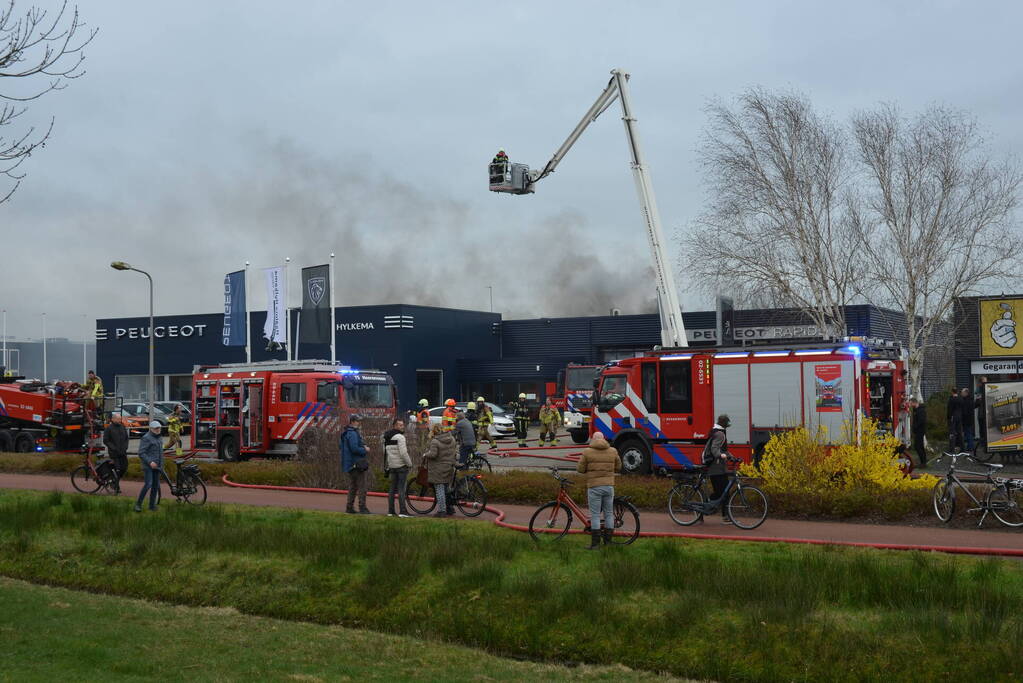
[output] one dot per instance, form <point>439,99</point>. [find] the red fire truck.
<point>244,409</point>
<point>38,416</point>
<point>658,409</point>
<point>573,396</point>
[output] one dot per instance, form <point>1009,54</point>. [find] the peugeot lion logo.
<point>317,286</point>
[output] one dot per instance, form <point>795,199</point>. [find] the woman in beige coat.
<point>600,463</point>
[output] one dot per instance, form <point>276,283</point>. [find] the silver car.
<point>503,425</point>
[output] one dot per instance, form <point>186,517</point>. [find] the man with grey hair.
<point>151,456</point>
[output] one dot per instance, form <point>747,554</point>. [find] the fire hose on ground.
<point>500,515</point>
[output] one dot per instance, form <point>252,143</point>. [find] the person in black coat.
<point>954,413</point>
<point>115,438</point>
<point>968,408</point>
<point>918,429</point>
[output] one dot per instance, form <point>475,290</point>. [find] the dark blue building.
<point>436,353</point>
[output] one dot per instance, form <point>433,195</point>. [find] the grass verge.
<point>121,639</point>
<point>698,609</point>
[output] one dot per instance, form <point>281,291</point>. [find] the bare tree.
<point>40,51</point>
<point>935,222</point>
<point>777,227</point>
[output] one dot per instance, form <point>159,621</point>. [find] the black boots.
<point>608,533</point>
<point>594,540</point>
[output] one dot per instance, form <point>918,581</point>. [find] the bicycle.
<point>90,478</point>
<point>188,485</point>
<point>479,461</point>
<point>745,505</point>
<point>466,492</point>
<point>1004,499</point>
<point>552,520</point>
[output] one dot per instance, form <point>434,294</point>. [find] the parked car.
<point>136,423</point>
<point>503,424</point>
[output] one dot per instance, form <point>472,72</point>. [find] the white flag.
<point>276,296</point>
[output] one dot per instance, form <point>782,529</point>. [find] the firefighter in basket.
<point>521,412</point>
<point>93,393</point>
<point>550,421</point>
<point>484,418</point>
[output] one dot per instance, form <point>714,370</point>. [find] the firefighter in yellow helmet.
<point>484,418</point>
<point>521,412</point>
<point>423,424</point>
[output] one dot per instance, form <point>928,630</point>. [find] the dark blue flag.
<point>235,324</point>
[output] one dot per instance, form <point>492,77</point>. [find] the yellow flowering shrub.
<point>805,475</point>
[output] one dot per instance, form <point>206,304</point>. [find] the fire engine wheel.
<point>24,443</point>
<point>635,457</point>
<point>6,441</point>
<point>228,451</point>
<point>579,435</point>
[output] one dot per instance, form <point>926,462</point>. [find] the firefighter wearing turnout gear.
<point>550,421</point>
<point>174,430</point>
<point>521,412</point>
<point>93,389</point>
<point>423,425</point>
<point>484,418</point>
<point>450,416</point>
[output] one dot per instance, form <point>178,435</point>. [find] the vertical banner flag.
<point>276,297</point>
<point>235,323</point>
<point>725,320</point>
<point>315,305</point>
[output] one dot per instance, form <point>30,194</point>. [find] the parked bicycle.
<point>1004,498</point>
<point>466,492</point>
<point>188,485</point>
<point>100,477</point>
<point>479,461</point>
<point>552,520</point>
<point>745,505</point>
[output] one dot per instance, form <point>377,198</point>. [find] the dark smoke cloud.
<point>394,244</point>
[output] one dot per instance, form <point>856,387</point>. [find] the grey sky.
<point>205,134</point>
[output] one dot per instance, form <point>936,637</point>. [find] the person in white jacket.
<point>398,464</point>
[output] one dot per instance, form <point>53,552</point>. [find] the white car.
<point>503,425</point>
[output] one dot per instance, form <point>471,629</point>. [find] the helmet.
<point>522,396</point>
<point>480,399</point>
<point>423,402</point>
<point>501,151</point>
<point>470,406</point>
<point>450,403</point>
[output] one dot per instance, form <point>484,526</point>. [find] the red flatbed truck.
<point>658,409</point>
<point>245,409</point>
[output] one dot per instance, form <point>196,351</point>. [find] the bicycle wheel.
<point>944,498</point>
<point>747,507</point>
<point>1006,505</point>
<point>550,522</point>
<point>680,501</point>
<point>83,481</point>
<point>420,507</point>
<point>472,498</point>
<point>480,463</point>
<point>626,522</point>
<point>193,490</point>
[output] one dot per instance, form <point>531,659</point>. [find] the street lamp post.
<point>121,265</point>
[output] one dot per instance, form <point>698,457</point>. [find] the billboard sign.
<point>1003,411</point>
<point>998,333</point>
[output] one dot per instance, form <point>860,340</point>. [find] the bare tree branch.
<point>43,50</point>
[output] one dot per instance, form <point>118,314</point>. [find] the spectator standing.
<point>398,464</point>
<point>440,466</point>
<point>466,437</point>
<point>600,463</point>
<point>954,413</point>
<point>968,409</point>
<point>918,428</point>
<point>715,458</point>
<point>151,457</point>
<point>115,438</point>
<point>355,464</point>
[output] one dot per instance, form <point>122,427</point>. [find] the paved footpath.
<point>815,532</point>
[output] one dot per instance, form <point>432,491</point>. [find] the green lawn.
<point>708,610</point>
<point>53,634</point>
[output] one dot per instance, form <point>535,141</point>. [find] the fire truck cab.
<point>573,396</point>
<point>658,410</point>
<point>245,409</point>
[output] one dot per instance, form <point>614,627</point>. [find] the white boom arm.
<point>673,332</point>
